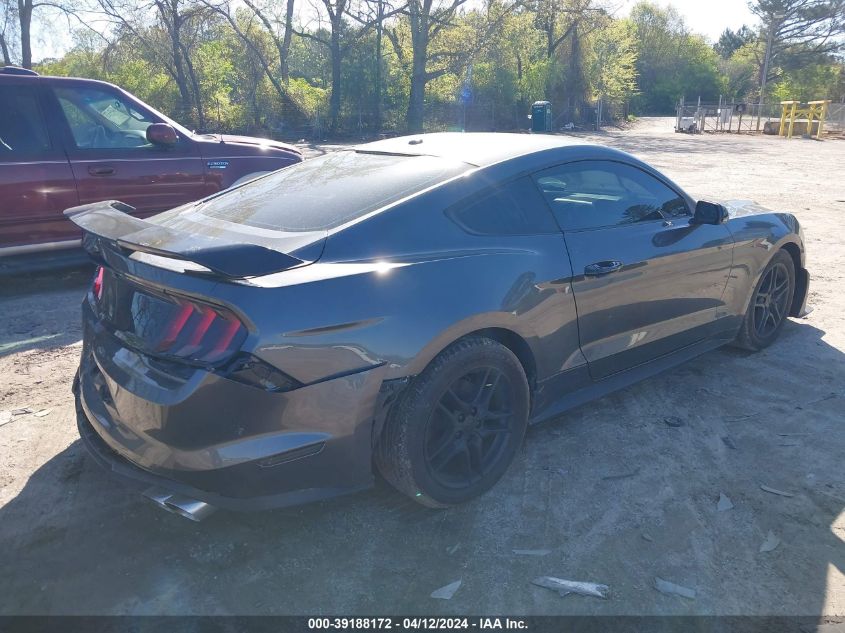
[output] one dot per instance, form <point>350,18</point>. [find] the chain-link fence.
<point>749,118</point>
<point>834,122</point>
<point>728,117</point>
<point>361,123</point>
<point>358,125</point>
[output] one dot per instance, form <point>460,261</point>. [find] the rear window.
<point>325,192</point>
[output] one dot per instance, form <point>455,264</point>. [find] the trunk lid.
<point>155,287</point>
<point>210,246</point>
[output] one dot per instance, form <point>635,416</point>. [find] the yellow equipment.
<point>792,112</point>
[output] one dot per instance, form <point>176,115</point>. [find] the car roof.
<point>77,80</point>
<point>90,83</point>
<point>17,71</point>
<point>504,155</point>
<point>11,72</point>
<point>475,148</point>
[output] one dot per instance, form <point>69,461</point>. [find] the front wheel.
<point>457,428</point>
<point>769,305</point>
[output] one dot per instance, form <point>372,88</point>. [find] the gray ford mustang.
<point>407,306</point>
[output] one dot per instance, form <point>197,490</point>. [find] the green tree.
<point>739,72</point>
<point>729,41</point>
<point>671,62</point>
<point>8,30</point>
<point>798,33</point>
<point>511,72</point>
<point>426,19</point>
<point>812,83</point>
<point>247,68</point>
<point>612,59</point>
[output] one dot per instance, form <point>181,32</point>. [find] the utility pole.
<point>378,89</point>
<point>766,59</point>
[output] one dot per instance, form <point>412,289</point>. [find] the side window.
<point>593,194</point>
<point>23,131</point>
<point>99,119</point>
<point>515,208</point>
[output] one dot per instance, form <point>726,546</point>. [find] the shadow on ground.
<point>42,311</point>
<point>614,492</point>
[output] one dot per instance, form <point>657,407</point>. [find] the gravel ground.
<point>615,493</point>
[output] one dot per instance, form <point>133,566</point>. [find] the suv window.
<point>23,131</point>
<point>593,194</point>
<point>515,208</point>
<point>99,119</point>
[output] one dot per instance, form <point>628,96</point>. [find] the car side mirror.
<point>162,134</point>
<point>709,213</point>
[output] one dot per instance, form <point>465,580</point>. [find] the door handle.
<point>101,171</point>
<point>602,268</point>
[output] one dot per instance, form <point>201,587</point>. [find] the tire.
<point>769,304</point>
<point>458,426</point>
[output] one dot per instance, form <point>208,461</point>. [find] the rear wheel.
<point>458,426</point>
<point>769,305</point>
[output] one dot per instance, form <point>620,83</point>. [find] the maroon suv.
<point>66,142</point>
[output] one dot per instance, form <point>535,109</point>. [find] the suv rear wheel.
<point>457,428</point>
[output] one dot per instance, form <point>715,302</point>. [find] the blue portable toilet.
<point>541,116</point>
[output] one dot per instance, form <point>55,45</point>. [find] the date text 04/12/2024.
<point>416,623</point>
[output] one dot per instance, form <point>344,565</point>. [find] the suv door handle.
<point>602,268</point>
<point>101,171</point>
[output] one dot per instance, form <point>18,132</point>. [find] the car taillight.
<point>162,323</point>
<point>97,286</point>
<point>200,333</point>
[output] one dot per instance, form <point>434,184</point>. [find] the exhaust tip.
<point>158,497</point>
<point>191,509</point>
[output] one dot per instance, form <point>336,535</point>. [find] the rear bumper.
<point>122,468</point>
<point>225,443</point>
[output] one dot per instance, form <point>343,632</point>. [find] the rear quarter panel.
<point>399,287</point>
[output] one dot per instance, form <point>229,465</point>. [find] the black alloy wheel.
<point>457,426</point>
<point>771,303</point>
<point>469,428</point>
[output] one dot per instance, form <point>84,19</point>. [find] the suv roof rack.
<point>17,70</point>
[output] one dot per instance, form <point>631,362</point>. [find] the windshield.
<point>325,192</point>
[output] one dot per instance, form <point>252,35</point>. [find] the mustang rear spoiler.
<point>109,223</point>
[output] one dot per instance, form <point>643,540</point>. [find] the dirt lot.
<point>615,493</point>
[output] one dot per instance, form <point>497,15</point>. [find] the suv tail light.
<point>164,324</point>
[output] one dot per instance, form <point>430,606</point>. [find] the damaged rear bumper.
<point>225,443</point>
<point>122,468</point>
